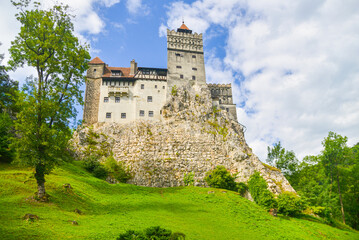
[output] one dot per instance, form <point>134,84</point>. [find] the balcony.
<point>118,91</point>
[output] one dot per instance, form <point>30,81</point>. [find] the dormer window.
<point>116,73</point>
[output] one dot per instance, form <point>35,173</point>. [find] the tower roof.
<point>183,28</point>
<point>96,60</point>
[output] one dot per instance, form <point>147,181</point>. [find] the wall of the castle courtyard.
<point>147,96</point>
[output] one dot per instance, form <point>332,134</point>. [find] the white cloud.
<point>137,7</point>
<point>299,60</point>
<point>87,21</point>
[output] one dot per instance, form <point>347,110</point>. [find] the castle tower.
<point>92,94</point>
<point>185,60</point>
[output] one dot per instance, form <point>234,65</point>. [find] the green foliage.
<point>290,204</point>
<point>188,179</point>
<point>95,147</point>
<point>242,188</point>
<point>282,159</point>
<point>151,233</point>
<point>47,103</point>
<point>258,188</point>
<point>221,178</point>
<point>92,165</point>
<point>116,170</point>
<point>6,124</point>
<point>174,91</point>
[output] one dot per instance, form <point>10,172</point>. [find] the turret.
<point>92,94</point>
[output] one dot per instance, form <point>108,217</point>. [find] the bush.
<point>289,204</point>
<point>188,179</point>
<point>117,170</point>
<point>221,178</point>
<point>242,188</point>
<point>92,165</point>
<point>151,233</point>
<point>258,188</point>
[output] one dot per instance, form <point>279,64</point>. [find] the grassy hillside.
<point>109,210</point>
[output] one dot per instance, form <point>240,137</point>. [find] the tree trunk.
<point>340,199</point>
<point>40,179</point>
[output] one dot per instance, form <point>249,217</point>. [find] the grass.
<point>109,210</point>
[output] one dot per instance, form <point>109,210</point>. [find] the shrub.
<point>258,188</point>
<point>221,178</point>
<point>174,90</point>
<point>188,179</point>
<point>242,188</point>
<point>117,170</point>
<point>151,233</point>
<point>92,165</point>
<point>289,204</point>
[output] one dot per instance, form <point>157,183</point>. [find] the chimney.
<point>133,69</point>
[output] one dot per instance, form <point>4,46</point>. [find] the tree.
<point>46,103</point>
<point>282,159</point>
<point>333,158</point>
<point>8,89</point>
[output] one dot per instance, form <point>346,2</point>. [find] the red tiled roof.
<point>183,26</point>
<point>96,60</point>
<point>125,71</point>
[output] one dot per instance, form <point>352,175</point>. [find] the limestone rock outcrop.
<point>192,137</point>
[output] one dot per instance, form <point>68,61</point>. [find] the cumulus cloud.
<point>137,7</point>
<point>299,62</point>
<point>87,22</point>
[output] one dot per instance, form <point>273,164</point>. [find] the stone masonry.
<point>192,138</point>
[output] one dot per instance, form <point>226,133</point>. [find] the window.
<point>227,109</point>
<point>220,101</point>
<point>150,113</point>
<point>163,87</point>
<point>193,77</point>
<point>108,115</point>
<point>123,115</point>
<point>149,99</point>
<point>117,99</point>
<point>194,69</point>
<point>178,66</point>
<point>105,99</point>
<point>193,56</point>
<point>142,113</point>
<point>178,55</point>
<point>155,86</point>
<point>142,86</point>
<point>181,76</point>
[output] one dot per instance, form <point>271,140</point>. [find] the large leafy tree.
<point>282,159</point>
<point>334,158</point>
<point>47,103</point>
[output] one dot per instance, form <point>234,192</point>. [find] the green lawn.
<point>109,210</point>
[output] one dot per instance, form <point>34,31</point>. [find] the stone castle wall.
<point>92,98</point>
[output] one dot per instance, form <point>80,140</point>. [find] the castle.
<point>122,95</point>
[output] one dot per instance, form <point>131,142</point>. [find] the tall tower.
<point>185,61</point>
<point>92,94</point>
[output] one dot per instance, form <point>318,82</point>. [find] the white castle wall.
<point>133,102</point>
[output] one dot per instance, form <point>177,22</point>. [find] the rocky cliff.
<point>193,137</point>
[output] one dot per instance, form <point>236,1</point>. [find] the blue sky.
<point>293,65</point>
